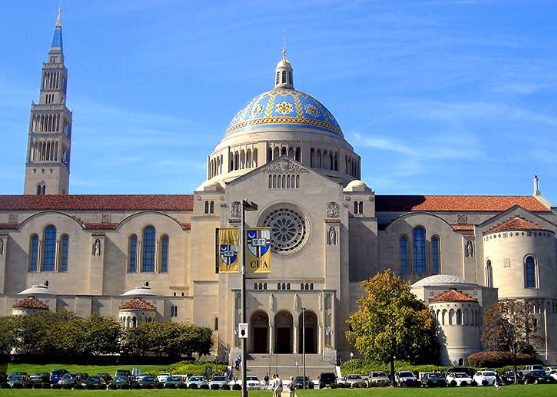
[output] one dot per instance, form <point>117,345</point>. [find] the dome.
<point>282,108</point>
<point>142,290</point>
<point>356,186</point>
<point>440,280</point>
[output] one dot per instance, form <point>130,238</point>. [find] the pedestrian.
<point>266,379</point>
<point>277,386</point>
<point>497,382</point>
<point>292,387</point>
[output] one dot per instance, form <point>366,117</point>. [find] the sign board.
<point>243,330</point>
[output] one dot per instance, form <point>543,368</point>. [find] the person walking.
<point>292,387</point>
<point>497,382</point>
<point>277,387</point>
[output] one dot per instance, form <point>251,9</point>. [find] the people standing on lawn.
<point>292,387</point>
<point>277,386</point>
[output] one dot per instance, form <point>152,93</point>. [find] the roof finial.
<point>59,19</point>
<point>284,54</point>
<point>536,186</point>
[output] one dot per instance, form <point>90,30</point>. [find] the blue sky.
<point>436,96</point>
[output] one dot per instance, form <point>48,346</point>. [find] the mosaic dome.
<point>285,107</point>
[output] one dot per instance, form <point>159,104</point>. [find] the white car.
<point>197,380</point>
<point>218,380</point>
<point>460,379</point>
<point>483,378</point>
<point>402,377</point>
<point>162,376</point>
<point>379,378</point>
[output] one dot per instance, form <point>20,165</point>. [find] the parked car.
<point>379,378</point>
<point>173,380</point>
<point>147,380</point>
<point>538,376</point>
<point>352,379</point>
<point>197,380</point>
<point>123,372</point>
<point>553,374</point>
<point>326,378</point>
<point>405,377</point>
<point>509,377</point>
<point>467,370</point>
<point>120,380</point>
<point>24,375</point>
<point>299,380</point>
<point>16,379</point>
<point>253,383</point>
<point>458,379</point>
<point>106,376</point>
<point>432,379</point>
<point>485,378</point>
<point>70,378</point>
<point>161,377</point>
<point>40,377</point>
<point>219,380</point>
<point>56,374</point>
<point>94,381</point>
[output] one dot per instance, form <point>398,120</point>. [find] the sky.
<point>449,97</point>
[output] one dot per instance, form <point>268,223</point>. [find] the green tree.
<point>510,326</point>
<point>392,323</point>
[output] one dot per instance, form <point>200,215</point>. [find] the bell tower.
<point>47,170</point>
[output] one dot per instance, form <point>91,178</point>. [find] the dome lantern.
<point>284,73</point>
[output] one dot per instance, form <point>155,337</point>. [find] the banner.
<point>227,251</point>
<point>258,250</point>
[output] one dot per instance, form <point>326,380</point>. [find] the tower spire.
<point>284,73</point>
<point>47,168</point>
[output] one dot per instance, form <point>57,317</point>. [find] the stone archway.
<point>259,323</point>
<point>283,333</point>
<point>310,322</point>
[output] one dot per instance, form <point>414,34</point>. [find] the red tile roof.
<point>456,203</point>
<point>453,296</point>
<point>101,202</point>
<point>463,227</point>
<point>30,303</point>
<point>137,304</point>
<point>516,224</point>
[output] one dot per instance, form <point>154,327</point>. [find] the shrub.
<point>56,386</point>
<point>91,387</point>
<point>485,382</point>
<point>28,385</point>
<point>225,387</point>
<point>462,384</point>
<point>170,386</point>
<point>4,385</point>
<point>125,386</point>
<point>334,385</point>
<point>67,386</point>
<point>214,386</point>
<point>158,385</point>
<point>499,359</point>
<point>204,387</point>
<point>182,385</point>
<point>17,386</point>
<point>236,387</point>
<point>78,386</point>
<point>112,386</point>
<point>147,386</point>
<point>193,386</point>
<point>135,386</point>
<point>452,383</point>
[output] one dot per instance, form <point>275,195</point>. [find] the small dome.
<point>142,290</point>
<point>440,280</point>
<point>356,186</point>
<point>39,289</point>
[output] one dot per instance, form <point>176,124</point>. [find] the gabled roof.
<point>136,304</point>
<point>100,202</point>
<point>453,296</point>
<point>516,224</point>
<point>30,303</point>
<point>385,203</point>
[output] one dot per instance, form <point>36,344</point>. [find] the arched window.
<point>530,273</point>
<point>488,274</point>
<point>402,255</point>
<point>419,250</point>
<point>212,207</point>
<point>164,254</point>
<point>206,207</point>
<point>148,257</point>
<point>458,317</point>
<point>132,254</point>
<point>49,252</point>
<point>64,261</point>
<point>34,253</point>
<point>435,254</point>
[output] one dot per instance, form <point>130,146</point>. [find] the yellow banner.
<point>227,251</point>
<point>258,249</point>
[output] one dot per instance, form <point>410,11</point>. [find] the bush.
<point>499,359</point>
<point>78,386</point>
<point>193,386</point>
<point>204,387</point>
<point>236,387</point>
<point>225,387</point>
<point>91,387</point>
<point>67,386</point>
<point>56,386</point>
<point>159,385</point>
<point>4,385</point>
<point>214,386</point>
<point>17,386</point>
<point>182,385</point>
<point>147,386</point>
<point>170,386</point>
<point>125,386</point>
<point>334,385</point>
<point>28,385</point>
<point>112,386</point>
<point>452,383</point>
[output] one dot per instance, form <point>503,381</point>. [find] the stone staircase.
<point>287,365</point>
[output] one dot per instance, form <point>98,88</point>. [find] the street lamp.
<point>304,346</point>
<point>351,363</point>
<point>246,206</point>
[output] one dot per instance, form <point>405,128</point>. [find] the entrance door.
<point>260,341</point>
<point>283,340</point>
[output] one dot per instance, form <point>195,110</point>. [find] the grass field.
<point>522,390</point>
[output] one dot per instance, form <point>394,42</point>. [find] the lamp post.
<point>304,346</point>
<point>246,206</point>
<point>351,362</point>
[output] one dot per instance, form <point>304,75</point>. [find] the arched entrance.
<point>260,330</point>
<point>283,333</point>
<point>310,334</point>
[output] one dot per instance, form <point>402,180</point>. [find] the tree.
<point>392,323</point>
<point>510,326</point>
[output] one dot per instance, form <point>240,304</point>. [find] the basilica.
<point>142,258</point>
